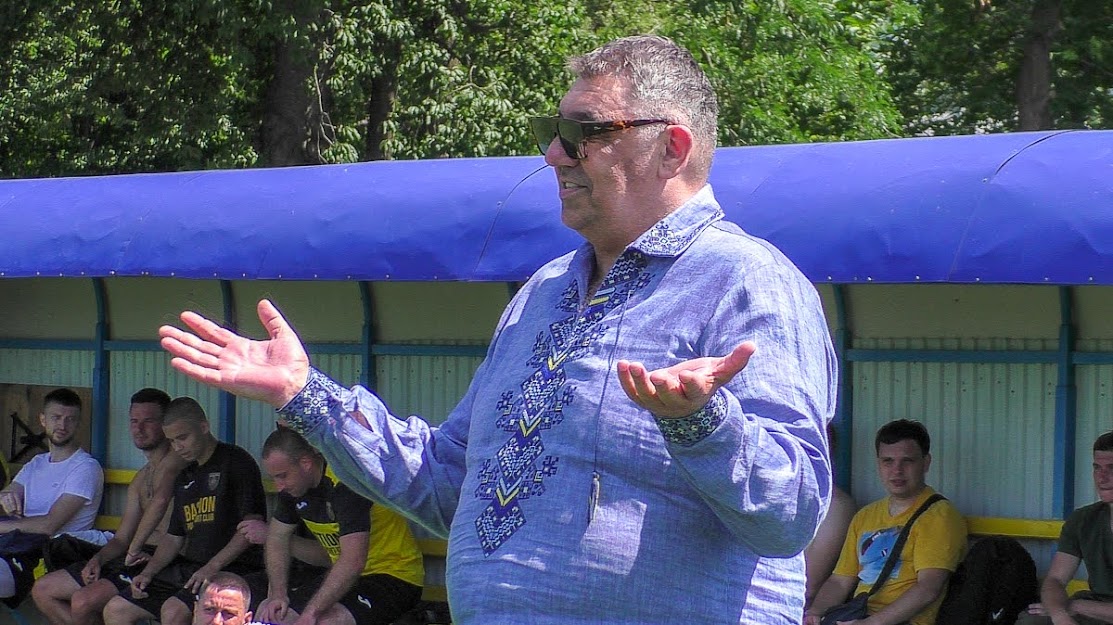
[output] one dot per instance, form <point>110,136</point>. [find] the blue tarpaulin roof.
<point>1007,208</point>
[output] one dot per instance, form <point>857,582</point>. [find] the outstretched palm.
<point>685,387</point>
<point>273,371</point>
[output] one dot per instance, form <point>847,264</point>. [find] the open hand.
<point>273,371</point>
<point>685,387</point>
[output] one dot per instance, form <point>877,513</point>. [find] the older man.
<point>644,441</point>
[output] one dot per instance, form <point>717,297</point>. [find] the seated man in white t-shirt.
<point>56,492</point>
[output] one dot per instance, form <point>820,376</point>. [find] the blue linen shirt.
<point>562,500</point>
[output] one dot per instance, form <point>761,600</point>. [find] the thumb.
<point>273,320</point>
<point>735,361</point>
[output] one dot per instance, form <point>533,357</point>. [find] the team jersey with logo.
<point>211,499</point>
<point>331,510</point>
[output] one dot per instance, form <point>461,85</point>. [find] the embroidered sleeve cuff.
<point>320,397</point>
<point>688,431</point>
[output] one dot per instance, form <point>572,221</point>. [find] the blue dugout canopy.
<point>1032,208</point>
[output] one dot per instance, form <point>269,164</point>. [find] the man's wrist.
<point>313,404</point>
<point>687,431</point>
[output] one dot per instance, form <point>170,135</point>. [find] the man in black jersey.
<point>219,488</point>
<point>376,572</point>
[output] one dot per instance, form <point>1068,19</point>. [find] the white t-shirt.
<point>44,482</point>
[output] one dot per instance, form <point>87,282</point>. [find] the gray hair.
<point>665,81</point>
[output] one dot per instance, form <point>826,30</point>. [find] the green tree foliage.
<point>130,86</point>
<point>955,69</point>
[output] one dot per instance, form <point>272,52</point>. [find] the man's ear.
<point>678,149</point>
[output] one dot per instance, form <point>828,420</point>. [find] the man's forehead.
<point>901,449</point>
<point>594,99</point>
<point>224,598</point>
<point>1103,457</point>
<point>55,409</point>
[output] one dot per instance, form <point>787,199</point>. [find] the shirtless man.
<point>141,528</point>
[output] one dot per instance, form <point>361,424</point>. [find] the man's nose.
<point>556,156</point>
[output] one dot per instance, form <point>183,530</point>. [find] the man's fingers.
<point>197,372</point>
<point>207,329</point>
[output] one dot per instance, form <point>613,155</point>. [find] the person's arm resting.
<point>277,556</point>
<point>930,585</point>
<point>833,592</point>
<point>1053,590</point>
<point>157,507</point>
<point>118,544</point>
<point>50,523</point>
<point>342,575</point>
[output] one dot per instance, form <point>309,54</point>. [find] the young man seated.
<point>915,588</point>
<point>1086,537</point>
<point>58,491</point>
<point>219,488</point>
<point>376,570</point>
<point>146,515</point>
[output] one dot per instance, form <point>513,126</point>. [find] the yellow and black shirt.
<point>331,510</point>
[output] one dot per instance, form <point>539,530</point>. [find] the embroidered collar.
<point>673,234</point>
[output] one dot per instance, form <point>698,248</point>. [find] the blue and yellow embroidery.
<point>518,469</point>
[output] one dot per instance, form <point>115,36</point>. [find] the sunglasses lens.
<point>544,131</point>
<point>571,137</point>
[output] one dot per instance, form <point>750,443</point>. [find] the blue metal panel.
<point>1004,208</point>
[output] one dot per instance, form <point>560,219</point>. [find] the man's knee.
<point>120,611</point>
<point>336,615</point>
<point>174,612</point>
<point>56,585</point>
<point>92,599</point>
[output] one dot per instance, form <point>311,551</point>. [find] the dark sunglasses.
<point>573,133</point>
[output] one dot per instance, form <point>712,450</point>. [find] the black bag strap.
<point>899,545</point>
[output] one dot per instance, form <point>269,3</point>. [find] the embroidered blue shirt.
<point>562,500</point>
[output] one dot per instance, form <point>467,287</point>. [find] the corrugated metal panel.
<point>1095,416</point>
<point>47,366</point>
<point>991,425</point>
<point>133,370</point>
<point>427,386</point>
<point>255,420</point>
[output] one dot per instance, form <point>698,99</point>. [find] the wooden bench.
<point>1021,529</point>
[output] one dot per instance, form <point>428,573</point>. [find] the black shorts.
<point>109,569</point>
<point>374,600</point>
<point>167,583</point>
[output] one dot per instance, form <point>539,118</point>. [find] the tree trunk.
<point>285,131</point>
<point>383,92</point>
<point>1033,84</point>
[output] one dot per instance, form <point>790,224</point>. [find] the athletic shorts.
<point>109,569</point>
<point>373,600</point>
<point>167,583</point>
